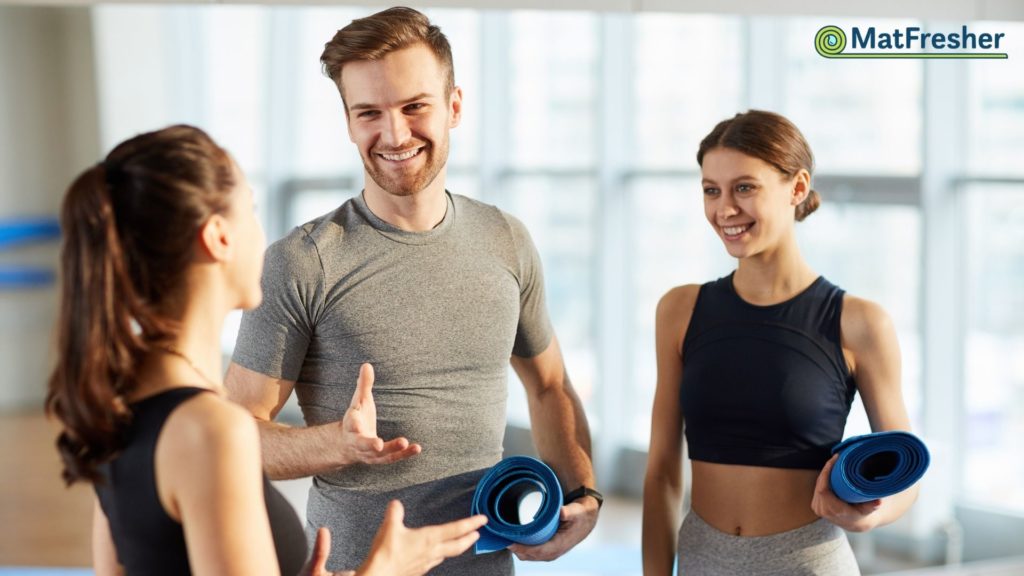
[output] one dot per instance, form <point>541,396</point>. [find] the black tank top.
<point>765,385</point>
<point>148,541</point>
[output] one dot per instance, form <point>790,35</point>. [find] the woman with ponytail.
<point>161,242</point>
<point>762,366</point>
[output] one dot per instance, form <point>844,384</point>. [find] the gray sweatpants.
<point>819,548</point>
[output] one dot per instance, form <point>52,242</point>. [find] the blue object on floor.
<point>877,465</point>
<point>499,494</point>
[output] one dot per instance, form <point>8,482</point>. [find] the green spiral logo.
<point>830,41</point>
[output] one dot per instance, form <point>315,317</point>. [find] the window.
<point>992,261</point>
<point>994,344</point>
<point>559,212</point>
<point>547,178</point>
<point>552,89</point>
<point>688,76</point>
<point>860,116</point>
<point>995,107</point>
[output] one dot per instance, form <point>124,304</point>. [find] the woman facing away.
<point>161,242</point>
<point>762,366</point>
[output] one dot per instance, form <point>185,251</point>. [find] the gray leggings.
<point>819,548</point>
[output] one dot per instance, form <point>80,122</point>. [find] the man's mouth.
<point>400,156</point>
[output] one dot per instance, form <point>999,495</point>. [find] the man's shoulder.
<point>480,213</point>
<point>320,232</point>
<point>472,207</point>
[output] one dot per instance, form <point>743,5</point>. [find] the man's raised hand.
<point>359,440</point>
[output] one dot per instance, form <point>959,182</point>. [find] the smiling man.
<point>437,292</point>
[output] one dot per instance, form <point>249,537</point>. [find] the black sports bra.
<point>765,385</point>
<point>148,541</point>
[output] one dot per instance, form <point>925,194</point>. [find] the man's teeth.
<point>400,157</point>
<point>734,230</point>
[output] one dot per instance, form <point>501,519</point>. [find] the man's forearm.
<point>562,435</point>
<point>298,452</point>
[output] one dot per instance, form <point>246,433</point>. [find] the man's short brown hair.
<point>376,36</point>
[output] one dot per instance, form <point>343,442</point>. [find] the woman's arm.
<point>104,555</point>
<point>209,477</point>
<point>873,351</point>
<point>663,482</point>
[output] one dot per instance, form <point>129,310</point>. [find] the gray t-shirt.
<point>438,314</point>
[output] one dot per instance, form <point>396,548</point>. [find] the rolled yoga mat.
<point>499,494</point>
<point>877,465</point>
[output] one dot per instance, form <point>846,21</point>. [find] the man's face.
<point>399,118</point>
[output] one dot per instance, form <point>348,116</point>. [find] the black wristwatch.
<point>585,491</point>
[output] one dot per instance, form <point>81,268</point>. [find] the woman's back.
<point>134,495</point>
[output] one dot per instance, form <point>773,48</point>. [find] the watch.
<point>585,491</point>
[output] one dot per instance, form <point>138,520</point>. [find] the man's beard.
<point>408,183</point>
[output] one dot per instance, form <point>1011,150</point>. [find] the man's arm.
<point>562,437</point>
<point>298,452</point>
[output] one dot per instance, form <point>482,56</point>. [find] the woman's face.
<point>749,203</point>
<point>246,266</point>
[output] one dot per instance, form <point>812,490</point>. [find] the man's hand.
<point>575,523</point>
<point>853,517</point>
<point>359,440</point>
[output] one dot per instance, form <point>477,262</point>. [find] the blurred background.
<point>583,120</point>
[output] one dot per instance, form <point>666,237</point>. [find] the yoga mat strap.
<point>498,495</point>
<point>877,465</point>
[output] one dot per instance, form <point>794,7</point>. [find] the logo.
<point>909,42</point>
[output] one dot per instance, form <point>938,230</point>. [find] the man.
<point>433,290</point>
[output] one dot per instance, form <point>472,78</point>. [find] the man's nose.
<point>395,131</point>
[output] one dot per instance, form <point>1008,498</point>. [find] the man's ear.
<point>215,240</point>
<point>455,107</point>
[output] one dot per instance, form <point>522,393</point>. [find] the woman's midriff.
<point>752,500</point>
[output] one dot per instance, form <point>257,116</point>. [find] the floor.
<point>42,523</point>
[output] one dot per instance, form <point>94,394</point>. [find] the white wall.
<point>48,133</point>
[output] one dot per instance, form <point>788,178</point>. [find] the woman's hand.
<point>317,565</point>
<point>853,517</point>
<point>401,551</point>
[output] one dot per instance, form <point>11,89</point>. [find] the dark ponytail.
<point>128,227</point>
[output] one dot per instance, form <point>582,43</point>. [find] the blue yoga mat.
<point>877,465</point>
<point>499,494</point>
